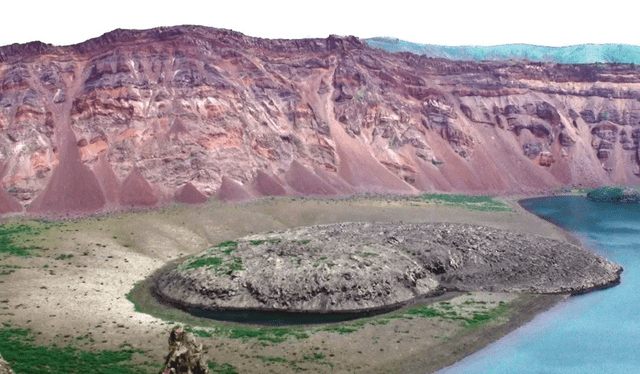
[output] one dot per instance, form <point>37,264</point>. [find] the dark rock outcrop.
<point>367,266</point>
<point>185,356</point>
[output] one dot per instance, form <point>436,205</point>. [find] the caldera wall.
<point>322,116</point>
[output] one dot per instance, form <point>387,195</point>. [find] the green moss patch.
<point>479,203</point>
<point>275,359</point>
<point>323,260</point>
<point>470,314</point>
<point>258,242</point>
<point>24,356</point>
<point>225,368</point>
<point>616,194</point>
<point>217,260</point>
<point>16,238</point>
<point>266,334</point>
<point>446,311</point>
<point>202,262</point>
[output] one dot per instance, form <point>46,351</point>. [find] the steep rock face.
<point>185,354</point>
<point>73,187</point>
<point>194,104</point>
<point>7,203</point>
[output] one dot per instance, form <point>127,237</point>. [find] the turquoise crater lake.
<point>598,332</point>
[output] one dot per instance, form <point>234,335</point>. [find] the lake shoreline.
<point>53,293</point>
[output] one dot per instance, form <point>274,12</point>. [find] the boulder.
<point>548,113</point>
<point>546,159</point>
<point>185,356</point>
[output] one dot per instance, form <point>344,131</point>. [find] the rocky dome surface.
<point>348,267</point>
<point>129,118</point>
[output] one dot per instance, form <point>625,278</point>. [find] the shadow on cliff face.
<point>107,179</point>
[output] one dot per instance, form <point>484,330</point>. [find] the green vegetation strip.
<point>217,260</point>
<point>24,356</point>
<point>144,302</point>
<point>221,368</point>
<point>479,203</point>
<point>442,310</point>
<point>313,357</point>
<point>470,314</point>
<point>445,311</point>
<point>16,237</point>
<point>615,194</point>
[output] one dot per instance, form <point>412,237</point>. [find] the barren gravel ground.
<point>62,299</point>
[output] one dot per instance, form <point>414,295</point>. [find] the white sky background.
<point>446,22</point>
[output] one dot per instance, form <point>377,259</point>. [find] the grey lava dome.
<point>352,267</point>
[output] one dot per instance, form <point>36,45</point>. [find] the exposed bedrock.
<point>7,203</point>
<point>366,266</point>
<point>241,117</point>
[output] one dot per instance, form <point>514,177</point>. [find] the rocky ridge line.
<point>139,114</point>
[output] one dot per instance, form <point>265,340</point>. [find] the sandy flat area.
<point>62,299</point>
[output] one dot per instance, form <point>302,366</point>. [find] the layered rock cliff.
<point>131,117</point>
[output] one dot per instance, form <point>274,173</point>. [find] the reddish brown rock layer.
<point>306,182</point>
<point>267,185</point>
<point>7,203</point>
<point>107,178</point>
<point>232,191</point>
<point>72,188</point>
<point>188,194</point>
<point>136,191</point>
<point>193,104</point>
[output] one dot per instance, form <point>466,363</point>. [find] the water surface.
<point>594,333</point>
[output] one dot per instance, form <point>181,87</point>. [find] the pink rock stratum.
<point>240,118</point>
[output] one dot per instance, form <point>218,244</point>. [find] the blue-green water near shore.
<point>598,332</point>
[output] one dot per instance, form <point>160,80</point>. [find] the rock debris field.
<point>353,267</point>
